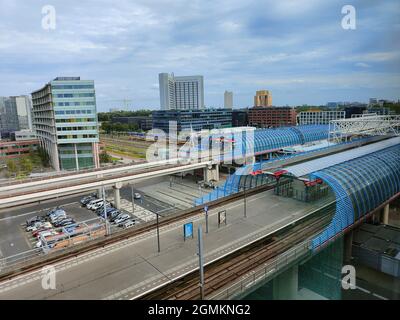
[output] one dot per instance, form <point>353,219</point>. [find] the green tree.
<point>105,157</point>
<point>26,165</point>
<point>12,167</point>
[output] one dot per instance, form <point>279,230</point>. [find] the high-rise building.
<point>228,99</point>
<point>8,116</point>
<point>15,114</point>
<point>24,112</point>
<point>263,98</point>
<point>181,93</point>
<point>65,120</point>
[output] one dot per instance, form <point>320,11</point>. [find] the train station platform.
<point>130,268</point>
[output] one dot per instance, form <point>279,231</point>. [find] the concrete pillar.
<point>211,173</point>
<point>348,245</point>
<point>285,286</point>
<point>385,216</point>
<point>117,196</point>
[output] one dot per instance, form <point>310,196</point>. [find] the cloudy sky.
<point>295,48</point>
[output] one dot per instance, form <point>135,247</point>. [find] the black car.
<point>64,222</point>
<point>34,219</point>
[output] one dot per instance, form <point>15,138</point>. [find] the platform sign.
<point>188,230</point>
<point>221,217</point>
<point>205,209</point>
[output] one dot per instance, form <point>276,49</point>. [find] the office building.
<point>23,135</point>
<point>181,93</point>
<point>143,123</point>
<point>262,117</point>
<point>8,116</point>
<point>319,117</point>
<point>192,119</point>
<point>263,98</point>
<point>240,118</point>
<point>15,114</point>
<point>354,109</point>
<point>65,121</point>
<point>228,100</point>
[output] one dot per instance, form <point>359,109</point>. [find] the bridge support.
<point>117,196</point>
<point>385,215</point>
<point>285,286</point>
<point>211,173</point>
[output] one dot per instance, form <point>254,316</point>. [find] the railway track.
<point>223,271</point>
<point>58,256</point>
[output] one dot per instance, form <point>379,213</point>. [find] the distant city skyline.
<point>296,49</point>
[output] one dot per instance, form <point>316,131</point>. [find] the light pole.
<point>245,202</point>
<point>133,199</point>
<point>158,235</point>
<point>201,262</point>
<point>105,210</point>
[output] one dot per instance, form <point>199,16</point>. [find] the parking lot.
<point>161,195</point>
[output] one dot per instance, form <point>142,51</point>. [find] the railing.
<point>265,272</point>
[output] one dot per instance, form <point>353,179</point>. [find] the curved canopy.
<point>360,185</point>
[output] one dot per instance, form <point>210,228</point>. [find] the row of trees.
<point>109,127</point>
<point>107,116</point>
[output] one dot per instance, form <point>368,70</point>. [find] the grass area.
<point>127,151</point>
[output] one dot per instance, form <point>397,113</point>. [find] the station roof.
<point>308,167</point>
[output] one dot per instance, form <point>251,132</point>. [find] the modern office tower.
<point>8,116</point>
<point>263,98</point>
<point>181,93</point>
<point>228,99</point>
<point>65,120</point>
<point>319,117</point>
<point>15,114</point>
<point>24,111</point>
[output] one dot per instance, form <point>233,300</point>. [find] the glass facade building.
<point>193,119</point>
<point>65,120</point>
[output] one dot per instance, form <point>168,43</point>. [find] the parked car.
<point>41,226</point>
<point>41,229</point>
<point>56,218</point>
<point>47,233</point>
<point>116,216</point>
<point>87,199</point>
<point>93,202</point>
<point>34,226</point>
<point>64,222</point>
<point>137,195</point>
<point>97,205</point>
<point>122,218</point>
<point>127,224</point>
<point>56,209</point>
<point>34,219</point>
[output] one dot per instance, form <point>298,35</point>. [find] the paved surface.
<point>14,239</point>
<point>133,266</point>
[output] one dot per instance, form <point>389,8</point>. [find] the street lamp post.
<point>201,261</point>
<point>105,210</point>
<point>245,202</point>
<point>158,235</point>
<point>133,199</point>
